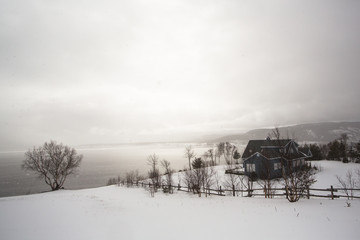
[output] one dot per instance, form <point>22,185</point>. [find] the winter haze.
<point>83,72</point>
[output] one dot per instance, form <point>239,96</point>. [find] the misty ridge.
<point>310,132</point>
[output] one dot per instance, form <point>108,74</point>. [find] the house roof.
<point>306,151</point>
<point>270,149</point>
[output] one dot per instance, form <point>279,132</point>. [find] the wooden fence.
<point>275,192</point>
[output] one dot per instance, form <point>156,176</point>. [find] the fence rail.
<point>274,192</point>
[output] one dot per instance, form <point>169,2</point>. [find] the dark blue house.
<point>268,159</point>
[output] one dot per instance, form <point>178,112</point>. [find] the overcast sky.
<point>127,71</point>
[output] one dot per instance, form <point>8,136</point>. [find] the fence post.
<point>332,192</point>
<point>179,186</point>
<point>233,188</point>
<point>308,192</point>
<point>220,191</point>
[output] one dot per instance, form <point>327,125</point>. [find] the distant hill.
<point>310,132</point>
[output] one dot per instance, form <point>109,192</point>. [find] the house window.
<point>250,167</point>
<point>277,166</point>
<point>302,161</point>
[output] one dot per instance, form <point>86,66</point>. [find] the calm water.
<point>98,165</point>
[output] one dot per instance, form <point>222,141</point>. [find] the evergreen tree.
<point>198,163</point>
<point>316,152</point>
<point>334,150</point>
<point>236,155</point>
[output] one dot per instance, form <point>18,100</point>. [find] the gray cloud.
<point>91,72</point>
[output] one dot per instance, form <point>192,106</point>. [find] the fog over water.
<point>100,163</point>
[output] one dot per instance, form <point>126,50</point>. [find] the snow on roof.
<point>271,148</point>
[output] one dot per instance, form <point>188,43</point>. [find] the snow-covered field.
<point>131,213</point>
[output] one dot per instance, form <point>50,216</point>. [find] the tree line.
<point>223,150</point>
<point>54,162</point>
<point>339,150</point>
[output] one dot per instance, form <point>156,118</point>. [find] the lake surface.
<point>100,163</point>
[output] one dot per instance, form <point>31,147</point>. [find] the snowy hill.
<point>130,213</point>
<point>311,132</point>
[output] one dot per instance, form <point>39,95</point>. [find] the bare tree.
<point>154,173</point>
<point>348,184</point>
<point>118,180</point>
<point>202,176</point>
<point>242,183</point>
<point>212,157</point>
<point>231,180</point>
<point>208,173</point>
<point>129,178</point>
<point>198,177</point>
<point>113,181</point>
<point>189,154</point>
<point>275,133</point>
<point>246,183</point>
<point>265,179</point>
<point>295,179</point>
<point>217,181</point>
<point>217,156</point>
<point>52,162</point>
<point>133,178</point>
<point>205,156</point>
<point>168,175</point>
<point>188,179</point>
<point>229,151</point>
<point>296,182</point>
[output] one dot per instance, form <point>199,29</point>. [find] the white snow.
<point>131,213</point>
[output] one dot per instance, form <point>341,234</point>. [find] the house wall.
<point>264,168</point>
<point>276,173</point>
<point>256,159</point>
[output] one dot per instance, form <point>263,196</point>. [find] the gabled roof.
<point>271,149</point>
<point>306,151</point>
<point>268,144</point>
